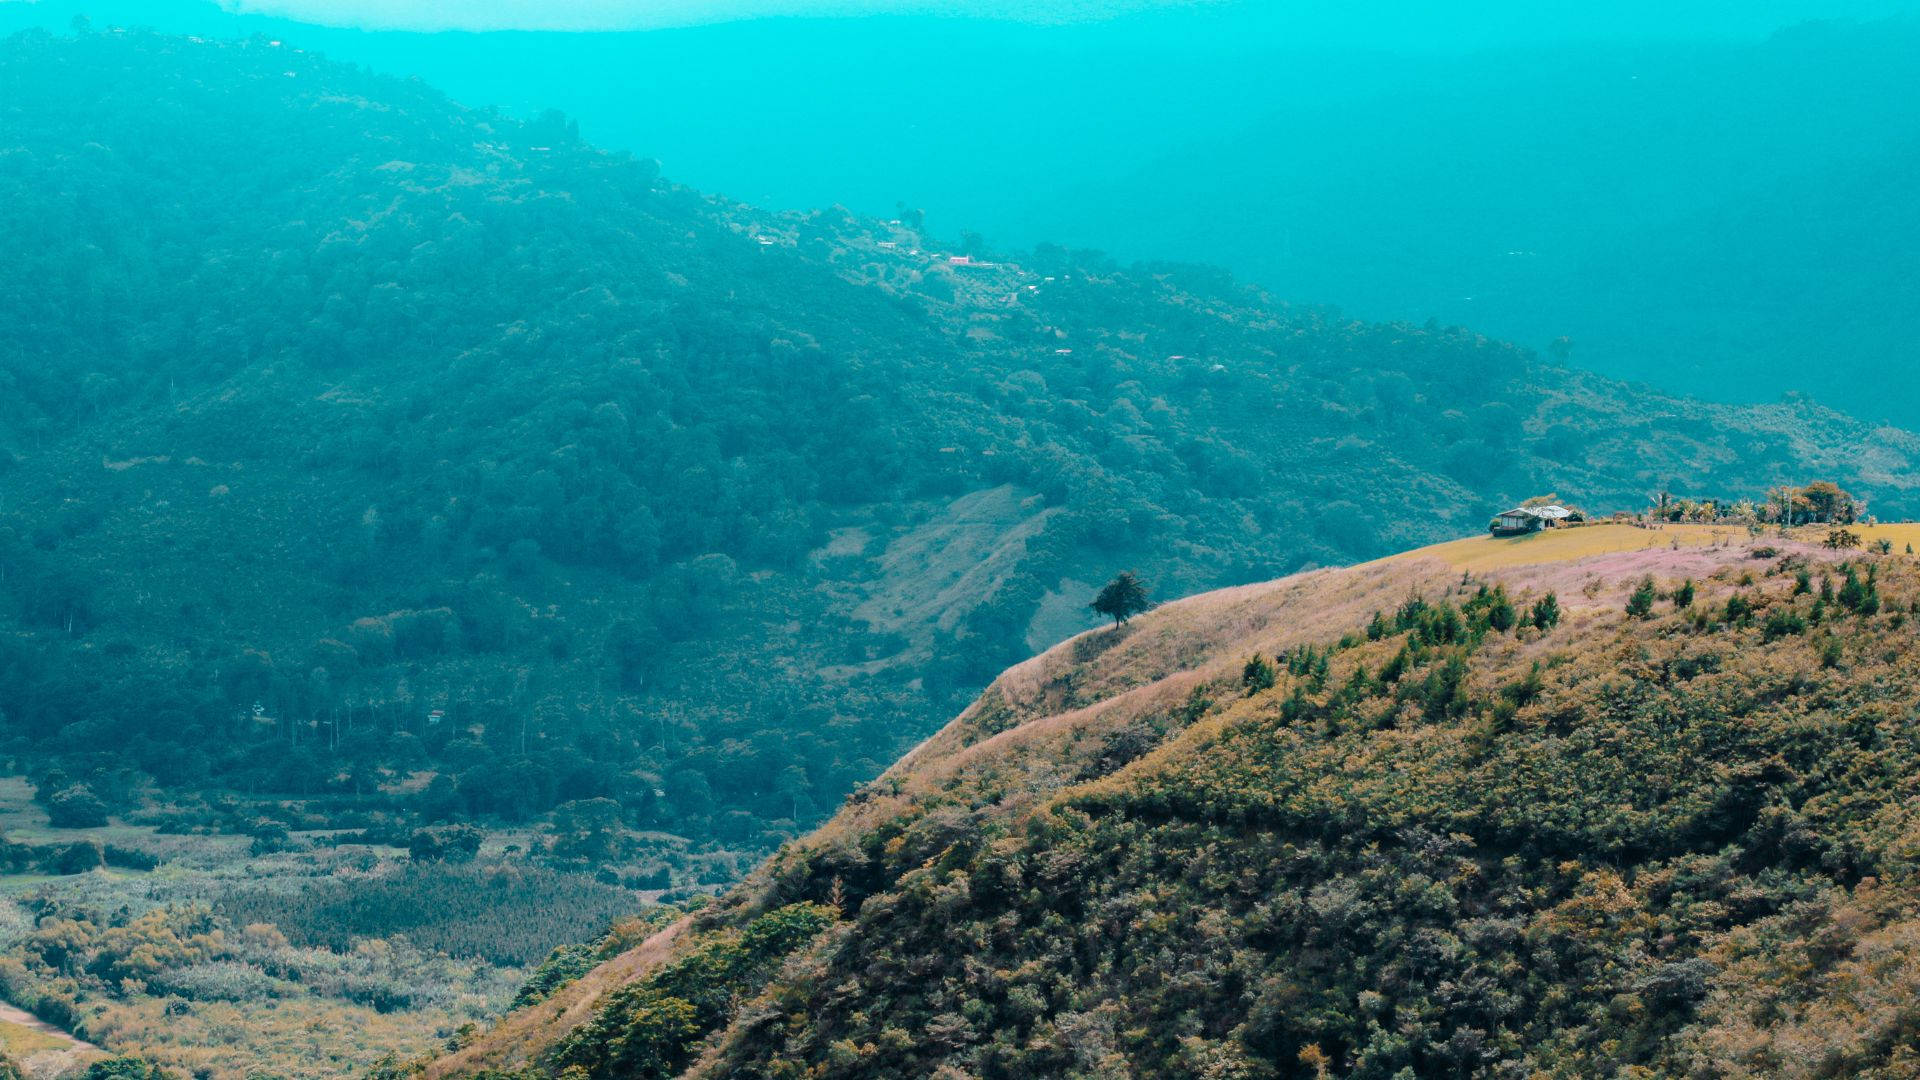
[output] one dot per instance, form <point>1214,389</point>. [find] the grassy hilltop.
<point>1455,837</point>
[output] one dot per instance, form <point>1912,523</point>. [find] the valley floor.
<point>218,958</point>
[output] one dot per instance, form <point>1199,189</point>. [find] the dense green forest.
<point>429,465</point>
<point>1620,804</point>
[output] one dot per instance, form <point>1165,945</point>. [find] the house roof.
<point>1545,513</point>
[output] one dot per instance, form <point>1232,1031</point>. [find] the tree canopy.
<point>1122,598</point>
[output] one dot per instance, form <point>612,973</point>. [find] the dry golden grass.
<point>1898,533</point>
<point>1488,553</point>
<point>19,1040</point>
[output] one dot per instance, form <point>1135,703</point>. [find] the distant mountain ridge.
<point>350,435</point>
<point>1693,200</point>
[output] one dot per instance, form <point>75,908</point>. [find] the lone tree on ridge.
<point>1123,598</point>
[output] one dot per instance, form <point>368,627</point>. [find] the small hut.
<point>1527,519</point>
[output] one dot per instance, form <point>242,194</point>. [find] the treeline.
<point>1787,506</point>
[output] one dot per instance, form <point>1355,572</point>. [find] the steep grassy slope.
<point>368,448</point>
<point>1679,843</point>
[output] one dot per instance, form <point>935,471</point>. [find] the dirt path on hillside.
<point>51,1061</point>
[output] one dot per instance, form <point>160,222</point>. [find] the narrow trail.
<point>13,1014</point>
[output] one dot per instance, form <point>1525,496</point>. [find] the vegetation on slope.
<point>428,465</point>
<point>1454,839</point>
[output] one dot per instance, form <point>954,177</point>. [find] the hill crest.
<point>1157,725</point>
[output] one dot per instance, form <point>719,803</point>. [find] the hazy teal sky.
<point>1333,21</point>
<point>641,14</point>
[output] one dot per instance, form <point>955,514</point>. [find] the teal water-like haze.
<point>1705,196</point>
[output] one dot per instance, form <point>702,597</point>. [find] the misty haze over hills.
<point>1698,201</point>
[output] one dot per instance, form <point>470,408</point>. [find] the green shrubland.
<point>1669,844</point>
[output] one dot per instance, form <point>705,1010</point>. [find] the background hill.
<point>1375,822</point>
<point>428,464</point>
<point>1711,217</point>
<point>1699,196</point>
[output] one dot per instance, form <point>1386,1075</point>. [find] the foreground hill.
<point>1437,830</point>
<point>430,465</point>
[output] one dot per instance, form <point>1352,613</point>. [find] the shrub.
<point>87,855</point>
<point>452,843</point>
<point>123,1068</point>
<point>1739,610</point>
<point>1640,603</point>
<point>219,980</point>
<point>1546,612</point>
<point>1782,623</point>
<point>270,836</point>
<point>1257,675</point>
<point>562,966</point>
<point>77,808</point>
<point>651,1028</point>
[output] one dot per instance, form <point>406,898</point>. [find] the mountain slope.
<point>1678,843</point>
<point>1695,204</point>
<point>426,465</point>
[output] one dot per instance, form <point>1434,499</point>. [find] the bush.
<point>1739,610</point>
<point>80,858</point>
<point>1782,623</point>
<point>453,843</point>
<point>1258,675</point>
<point>1546,612</point>
<point>270,836</point>
<point>123,1068</point>
<point>77,808</point>
<point>219,980</point>
<point>651,1028</point>
<point>562,966</point>
<point>1640,603</point>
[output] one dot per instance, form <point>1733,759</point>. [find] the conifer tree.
<point>1640,604</point>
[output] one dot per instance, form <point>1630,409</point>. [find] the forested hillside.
<point>1595,802</point>
<point>424,464</point>
<point>1708,198</point>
